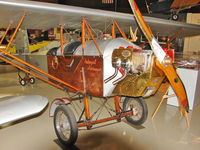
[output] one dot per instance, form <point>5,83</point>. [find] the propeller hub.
<point>167,61</point>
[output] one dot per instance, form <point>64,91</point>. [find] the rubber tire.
<point>22,82</point>
<point>143,105</point>
<point>32,80</point>
<point>175,17</point>
<point>73,125</point>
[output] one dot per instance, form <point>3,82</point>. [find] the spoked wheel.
<point>139,109</point>
<point>22,82</point>
<point>65,125</point>
<point>32,80</point>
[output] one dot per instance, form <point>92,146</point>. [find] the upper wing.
<point>45,15</point>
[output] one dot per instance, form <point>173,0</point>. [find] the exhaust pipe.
<point>120,79</point>
<point>113,76</point>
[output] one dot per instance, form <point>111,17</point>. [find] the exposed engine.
<point>120,58</point>
<point>129,60</point>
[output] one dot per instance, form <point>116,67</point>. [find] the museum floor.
<point>166,131</point>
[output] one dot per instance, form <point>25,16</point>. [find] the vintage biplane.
<point>172,6</point>
<point>106,68</point>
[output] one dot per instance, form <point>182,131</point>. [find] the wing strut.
<point>5,32</point>
<point>61,39</point>
<point>113,31</point>
<point>163,62</point>
<point>173,37</point>
<point>133,35</point>
<point>20,22</point>
<point>83,37</point>
<point>122,33</point>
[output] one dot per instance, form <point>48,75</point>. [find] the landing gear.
<point>26,79</point>
<point>65,125</point>
<point>139,109</point>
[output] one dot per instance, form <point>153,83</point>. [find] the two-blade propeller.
<point>163,61</point>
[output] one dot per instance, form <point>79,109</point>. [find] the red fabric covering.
<point>184,3</point>
<point>169,52</point>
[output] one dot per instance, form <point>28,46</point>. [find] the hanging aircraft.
<point>106,68</point>
<point>172,6</point>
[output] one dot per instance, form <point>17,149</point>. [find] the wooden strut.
<point>113,31</point>
<point>83,36</point>
<point>20,22</point>
<point>168,42</point>
<point>61,39</point>
<point>4,35</point>
<point>86,104</point>
<point>120,30</point>
<point>172,38</point>
<point>165,96</point>
<point>143,44</point>
<point>85,100</point>
<point>105,119</point>
<point>83,32</point>
<point>117,107</point>
<point>88,123</point>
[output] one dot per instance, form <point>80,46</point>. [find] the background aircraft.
<point>172,6</point>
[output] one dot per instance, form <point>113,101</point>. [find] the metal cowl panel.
<point>107,47</point>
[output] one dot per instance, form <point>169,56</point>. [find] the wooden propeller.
<point>163,61</point>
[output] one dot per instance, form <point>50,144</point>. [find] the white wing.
<point>46,15</point>
<point>13,108</point>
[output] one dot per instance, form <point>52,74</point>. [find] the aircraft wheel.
<point>22,82</point>
<point>139,108</point>
<point>65,125</point>
<point>32,80</point>
<point>175,17</point>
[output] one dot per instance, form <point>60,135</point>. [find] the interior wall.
<point>192,44</point>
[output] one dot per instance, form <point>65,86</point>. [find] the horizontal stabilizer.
<point>13,108</point>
